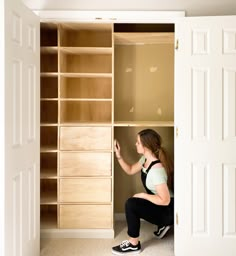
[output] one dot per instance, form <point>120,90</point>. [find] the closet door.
<point>205,123</point>
<point>21,187</point>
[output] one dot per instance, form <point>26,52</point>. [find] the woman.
<point>157,204</point>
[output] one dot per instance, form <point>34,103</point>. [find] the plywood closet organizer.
<point>99,82</point>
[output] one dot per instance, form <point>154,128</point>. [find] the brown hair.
<point>152,140</point>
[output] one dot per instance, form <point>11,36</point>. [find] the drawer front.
<point>85,138</point>
<point>85,190</point>
<point>85,216</point>
<point>85,164</point>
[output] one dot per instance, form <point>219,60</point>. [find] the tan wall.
<point>144,91</point>
<point>144,82</point>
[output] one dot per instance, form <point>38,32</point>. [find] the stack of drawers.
<point>85,183</point>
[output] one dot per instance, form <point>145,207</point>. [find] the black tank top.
<point>144,176</point>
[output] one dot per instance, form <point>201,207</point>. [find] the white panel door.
<point>205,141</point>
<point>21,130</point>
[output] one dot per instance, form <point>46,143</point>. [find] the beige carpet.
<point>102,247</point>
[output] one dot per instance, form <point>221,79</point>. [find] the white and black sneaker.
<point>126,248</point>
<point>161,231</point>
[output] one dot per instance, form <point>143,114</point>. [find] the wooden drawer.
<point>85,216</point>
<point>85,164</point>
<point>85,138</point>
<point>85,190</point>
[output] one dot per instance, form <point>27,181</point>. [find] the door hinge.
<point>177,132</point>
<point>177,44</point>
<point>177,219</point>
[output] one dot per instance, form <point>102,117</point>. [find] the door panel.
<point>205,113</point>
<point>22,130</point>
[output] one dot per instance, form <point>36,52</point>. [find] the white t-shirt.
<point>155,176</point>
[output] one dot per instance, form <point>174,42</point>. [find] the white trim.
<point>2,130</point>
<point>111,16</point>
<point>77,233</point>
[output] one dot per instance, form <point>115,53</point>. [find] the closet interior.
<point>99,81</point>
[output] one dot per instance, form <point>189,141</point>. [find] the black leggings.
<point>138,208</point>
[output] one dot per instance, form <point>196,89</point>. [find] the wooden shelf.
<point>48,163</point>
<point>48,188</point>
<point>143,124</point>
<point>88,75</point>
<point>49,111</point>
<point>85,63</point>
<point>85,111</point>
<point>48,217</point>
<point>49,49</point>
<point>49,99</point>
<point>47,198</point>
<point>48,34</point>
<point>86,124</point>
<point>48,124</point>
<point>49,74</point>
<point>86,87</point>
<point>48,87</point>
<point>85,99</point>
<point>86,50</point>
<point>48,173</point>
<point>143,38</point>
<point>48,149</point>
<point>48,62</point>
<point>86,35</point>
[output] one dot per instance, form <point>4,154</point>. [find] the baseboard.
<point>77,233</point>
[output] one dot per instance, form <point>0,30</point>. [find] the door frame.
<point>111,16</point>
<point>2,130</point>
<point>138,17</point>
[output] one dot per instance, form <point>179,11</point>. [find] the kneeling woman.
<point>157,204</point>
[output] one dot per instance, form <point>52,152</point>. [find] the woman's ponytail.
<point>168,165</point>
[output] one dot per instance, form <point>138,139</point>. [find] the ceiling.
<point>192,7</point>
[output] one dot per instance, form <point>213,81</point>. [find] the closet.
<point>99,81</point>
<point>143,95</point>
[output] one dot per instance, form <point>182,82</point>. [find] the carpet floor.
<point>102,247</point>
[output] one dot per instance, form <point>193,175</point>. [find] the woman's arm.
<point>161,198</point>
<point>130,169</point>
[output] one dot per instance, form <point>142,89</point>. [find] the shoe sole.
<point>163,233</point>
<point>126,253</point>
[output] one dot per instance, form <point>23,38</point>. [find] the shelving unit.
<point>49,109</point>
<point>76,126</point>
<point>97,85</point>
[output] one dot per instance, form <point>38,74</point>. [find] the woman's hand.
<point>117,149</point>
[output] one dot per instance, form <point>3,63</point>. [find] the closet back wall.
<point>143,92</point>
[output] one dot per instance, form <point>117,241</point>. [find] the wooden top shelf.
<point>144,38</point>
<point>86,26</point>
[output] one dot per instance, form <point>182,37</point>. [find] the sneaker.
<point>126,248</point>
<point>161,231</point>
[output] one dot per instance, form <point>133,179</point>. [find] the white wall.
<point>2,128</point>
<point>192,7</point>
